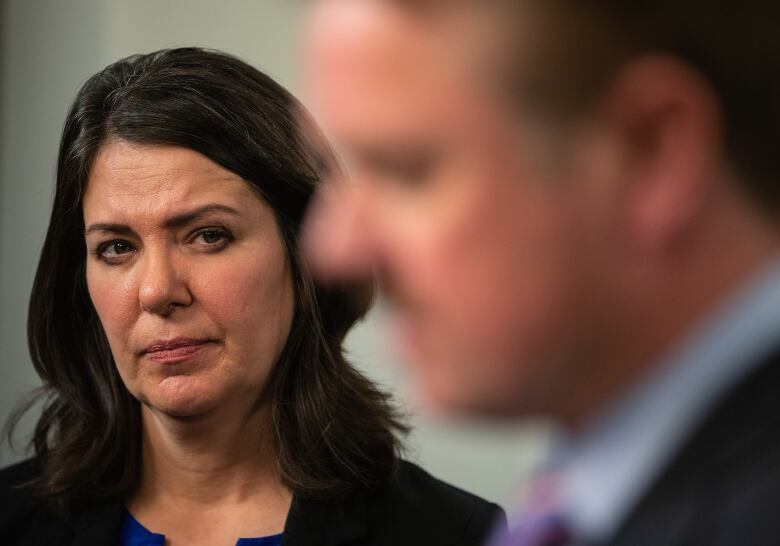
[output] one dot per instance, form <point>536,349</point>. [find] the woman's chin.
<point>182,397</point>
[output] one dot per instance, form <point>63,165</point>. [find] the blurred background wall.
<point>47,49</point>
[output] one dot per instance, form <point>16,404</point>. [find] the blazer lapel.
<point>330,522</point>
<point>99,525</point>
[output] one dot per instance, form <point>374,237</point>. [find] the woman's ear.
<point>668,126</point>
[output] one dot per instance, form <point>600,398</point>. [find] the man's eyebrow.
<point>395,151</point>
<point>177,220</point>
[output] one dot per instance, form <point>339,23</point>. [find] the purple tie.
<point>542,523</point>
<point>542,530</point>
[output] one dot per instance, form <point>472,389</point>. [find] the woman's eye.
<point>213,237</point>
<point>115,249</point>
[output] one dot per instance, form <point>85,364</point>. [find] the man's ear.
<point>668,126</point>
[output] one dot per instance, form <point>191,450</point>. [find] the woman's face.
<point>188,274</point>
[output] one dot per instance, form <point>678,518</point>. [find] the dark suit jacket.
<point>723,488</point>
<point>415,509</point>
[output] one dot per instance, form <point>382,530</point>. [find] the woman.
<point>195,385</point>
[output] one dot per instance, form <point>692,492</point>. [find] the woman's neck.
<point>211,464</point>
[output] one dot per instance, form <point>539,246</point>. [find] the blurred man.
<point>573,207</point>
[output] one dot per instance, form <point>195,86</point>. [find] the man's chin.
<point>443,397</point>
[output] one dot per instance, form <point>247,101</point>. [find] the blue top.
<point>135,534</point>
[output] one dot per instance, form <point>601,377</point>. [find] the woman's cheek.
<point>116,307</point>
<point>256,282</point>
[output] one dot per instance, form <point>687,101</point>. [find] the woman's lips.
<point>173,351</point>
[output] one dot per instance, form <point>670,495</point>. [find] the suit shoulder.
<point>745,500</point>
<point>434,511</point>
<point>723,485</point>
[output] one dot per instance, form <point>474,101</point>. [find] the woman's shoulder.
<point>433,511</point>
<point>15,490</point>
<point>414,489</point>
<point>25,520</point>
<point>16,499</point>
<point>413,509</point>
<point>415,485</point>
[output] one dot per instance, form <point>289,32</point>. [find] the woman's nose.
<point>162,288</point>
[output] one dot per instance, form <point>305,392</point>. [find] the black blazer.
<point>723,487</point>
<point>415,509</point>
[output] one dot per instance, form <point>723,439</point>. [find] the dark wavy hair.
<point>333,429</point>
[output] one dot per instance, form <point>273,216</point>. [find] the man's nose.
<point>162,288</point>
<point>338,235</point>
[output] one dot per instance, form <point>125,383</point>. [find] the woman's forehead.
<point>128,177</point>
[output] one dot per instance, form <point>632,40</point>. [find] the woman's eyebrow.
<point>119,229</point>
<point>186,217</point>
<point>177,220</point>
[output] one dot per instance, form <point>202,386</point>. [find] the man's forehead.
<point>371,43</point>
<point>465,31</point>
<point>375,64</point>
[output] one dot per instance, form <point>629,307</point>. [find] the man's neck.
<point>671,297</point>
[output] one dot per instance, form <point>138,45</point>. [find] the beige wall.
<point>48,48</point>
